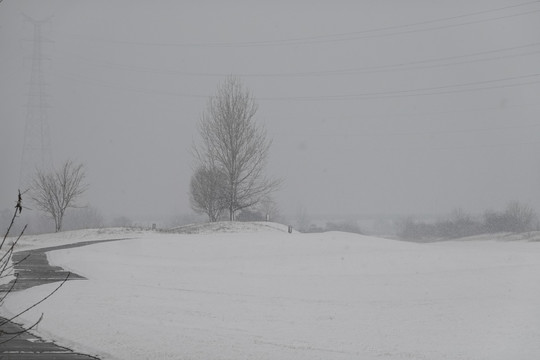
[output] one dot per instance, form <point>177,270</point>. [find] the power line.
<point>435,90</point>
<point>445,112</point>
<point>427,29</point>
<point>427,132</point>
<point>377,147</point>
<point>348,36</point>
<point>467,147</point>
<point>394,27</point>
<point>412,65</point>
<point>195,96</point>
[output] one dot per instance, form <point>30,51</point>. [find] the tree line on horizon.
<point>514,218</point>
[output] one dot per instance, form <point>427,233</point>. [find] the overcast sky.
<point>373,106</point>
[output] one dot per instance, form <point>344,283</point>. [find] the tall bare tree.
<point>55,191</point>
<point>233,142</point>
<point>207,192</point>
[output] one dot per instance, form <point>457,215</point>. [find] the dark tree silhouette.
<point>55,191</point>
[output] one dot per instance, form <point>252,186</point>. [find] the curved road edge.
<point>31,269</point>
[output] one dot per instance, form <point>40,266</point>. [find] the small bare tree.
<point>55,191</point>
<point>207,192</point>
<point>235,144</point>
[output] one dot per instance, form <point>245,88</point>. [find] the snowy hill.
<point>252,291</point>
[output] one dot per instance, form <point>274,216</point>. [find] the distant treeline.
<point>345,226</point>
<point>515,218</point>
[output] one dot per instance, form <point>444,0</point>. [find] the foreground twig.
<point>6,268</point>
<point>23,331</point>
<point>37,303</point>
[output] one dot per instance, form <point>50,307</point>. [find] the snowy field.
<point>261,293</point>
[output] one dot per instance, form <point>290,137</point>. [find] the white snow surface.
<point>267,294</point>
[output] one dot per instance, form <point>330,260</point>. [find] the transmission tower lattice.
<point>36,152</point>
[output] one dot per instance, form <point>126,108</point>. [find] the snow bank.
<point>274,295</point>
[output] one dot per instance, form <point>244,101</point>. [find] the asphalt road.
<point>32,269</point>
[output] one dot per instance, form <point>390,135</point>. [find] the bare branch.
<point>19,333</point>
<point>37,303</point>
<point>18,208</point>
<point>5,270</point>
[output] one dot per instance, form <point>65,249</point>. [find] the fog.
<point>374,107</point>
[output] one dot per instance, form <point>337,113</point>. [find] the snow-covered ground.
<point>262,293</point>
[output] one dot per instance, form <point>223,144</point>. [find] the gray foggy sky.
<point>373,106</point>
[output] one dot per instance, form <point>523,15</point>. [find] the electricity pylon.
<point>36,152</point>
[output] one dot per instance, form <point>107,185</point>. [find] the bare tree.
<point>520,217</point>
<point>207,192</point>
<point>234,143</point>
<point>517,218</point>
<point>55,191</point>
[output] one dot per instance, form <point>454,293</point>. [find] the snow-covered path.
<point>273,295</point>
